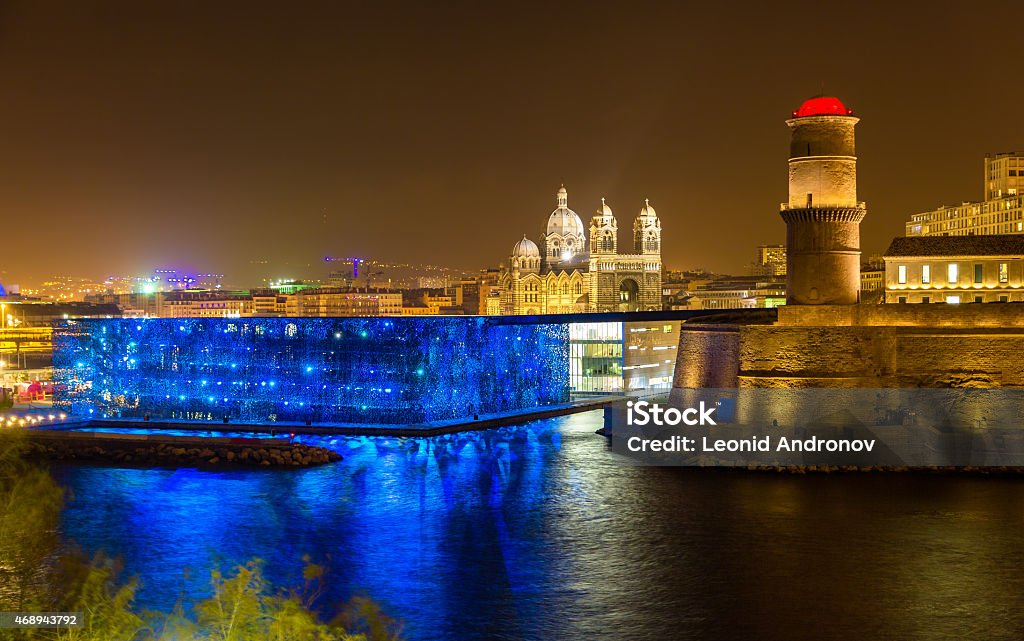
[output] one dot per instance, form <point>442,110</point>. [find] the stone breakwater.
<point>169,451</point>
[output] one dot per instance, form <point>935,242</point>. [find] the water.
<point>539,532</point>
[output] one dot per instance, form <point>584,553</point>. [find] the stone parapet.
<point>1010,315</point>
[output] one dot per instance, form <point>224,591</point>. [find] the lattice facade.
<point>338,370</point>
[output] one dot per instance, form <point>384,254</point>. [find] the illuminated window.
<point>901,274</point>
<point>953,275</point>
<point>926,274</point>
<point>953,300</point>
<point>1004,273</point>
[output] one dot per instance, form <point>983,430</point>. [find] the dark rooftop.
<point>993,245</point>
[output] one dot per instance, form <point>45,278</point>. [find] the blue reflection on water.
<point>536,532</point>
<point>430,527</point>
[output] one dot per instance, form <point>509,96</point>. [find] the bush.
<point>242,606</point>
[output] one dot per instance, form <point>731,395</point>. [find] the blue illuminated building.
<point>324,370</point>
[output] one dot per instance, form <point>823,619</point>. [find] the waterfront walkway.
<point>433,428</point>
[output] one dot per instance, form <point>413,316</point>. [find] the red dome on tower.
<point>822,106</point>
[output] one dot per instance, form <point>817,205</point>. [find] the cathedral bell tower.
<point>647,230</point>
<point>823,215</point>
<point>604,231</point>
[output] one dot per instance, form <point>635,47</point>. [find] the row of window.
<point>953,299</point>
<point>953,273</point>
<point>994,206</point>
<point>984,226</point>
<point>534,287</point>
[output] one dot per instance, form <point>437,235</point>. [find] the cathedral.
<point>579,270</point>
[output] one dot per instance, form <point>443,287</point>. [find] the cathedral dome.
<point>564,221</point>
<point>822,106</point>
<point>605,210</point>
<point>647,211</point>
<point>526,248</point>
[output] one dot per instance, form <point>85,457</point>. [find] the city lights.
<point>294,345</point>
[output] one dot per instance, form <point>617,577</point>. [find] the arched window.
<point>652,241</point>
<point>606,243</point>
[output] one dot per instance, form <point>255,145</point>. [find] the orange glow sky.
<point>138,136</point>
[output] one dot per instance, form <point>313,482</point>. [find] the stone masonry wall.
<point>708,356</point>
<point>861,346</point>
<point>932,315</point>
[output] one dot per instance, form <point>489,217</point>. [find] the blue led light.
<point>474,366</point>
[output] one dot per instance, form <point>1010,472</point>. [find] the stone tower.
<point>604,231</point>
<point>647,230</point>
<point>823,215</point>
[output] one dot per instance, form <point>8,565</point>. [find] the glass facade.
<point>595,358</point>
<point>634,357</point>
<point>336,370</point>
<point>650,357</point>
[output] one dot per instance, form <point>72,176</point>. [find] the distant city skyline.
<point>145,135</point>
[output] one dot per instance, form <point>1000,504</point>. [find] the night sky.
<point>137,136</point>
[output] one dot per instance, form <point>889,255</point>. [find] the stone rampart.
<point>860,346</point>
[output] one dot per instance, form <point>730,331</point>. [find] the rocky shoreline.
<point>191,454</point>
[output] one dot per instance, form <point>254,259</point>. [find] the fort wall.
<point>860,346</point>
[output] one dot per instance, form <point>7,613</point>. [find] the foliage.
<point>92,588</point>
<point>242,605</point>
<point>365,616</point>
<point>30,503</point>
